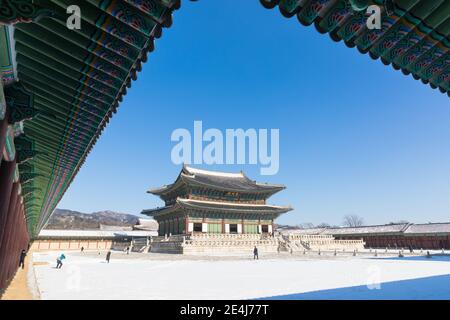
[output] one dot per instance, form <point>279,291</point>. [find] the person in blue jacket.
<point>59,261</point>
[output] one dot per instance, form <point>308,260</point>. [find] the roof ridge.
<point>182,200</point>
<point>193,171</point>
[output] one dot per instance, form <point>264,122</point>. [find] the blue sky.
<point>356,137</point>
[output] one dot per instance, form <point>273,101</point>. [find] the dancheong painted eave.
<point>217,207</point>
<point>216,180</point>
<point>414,36</point>
<point>76,80</point>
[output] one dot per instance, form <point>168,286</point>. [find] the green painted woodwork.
<point>359,5</point>
<point>414,37</point>
<point>20,102</point>
<point>9,145</point>
<point>2,103</point>
<point>13,11</point>
<point>77,79</point>
<point>251,229</point>
<point>182,225</point>
<point>6,56</point>
<point>214,228</point>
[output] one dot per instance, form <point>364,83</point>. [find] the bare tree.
<point>352,220</point>
<point>323,225</point>
<point>399,222</point>
<point>307,225</point>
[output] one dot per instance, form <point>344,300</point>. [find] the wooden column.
<point>3,130</point>
<point>7,169</point>
<point>186,225</point>
<point>8,238</point>
<point>14,238</point>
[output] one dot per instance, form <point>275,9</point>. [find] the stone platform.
<point>226,244</point>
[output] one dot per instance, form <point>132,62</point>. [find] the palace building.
<point>210,202</point>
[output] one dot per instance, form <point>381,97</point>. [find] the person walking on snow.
<point>255,254</point>
<point>108,256</point>
<point>59,261</point>
<point>23,254</point>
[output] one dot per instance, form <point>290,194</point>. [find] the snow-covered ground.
<point>87,276</point>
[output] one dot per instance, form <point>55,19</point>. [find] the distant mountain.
<point>68,219</point>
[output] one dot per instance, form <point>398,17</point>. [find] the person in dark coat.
<point>23,254</point>
<point>255,254</point>
<point>108,256</point>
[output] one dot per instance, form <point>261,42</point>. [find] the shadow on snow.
<point>429,288</point>
<point>435,257</point>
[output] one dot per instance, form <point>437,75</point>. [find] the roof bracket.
<point>12,12</point>
<point>20,102</point>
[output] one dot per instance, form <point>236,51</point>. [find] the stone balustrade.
<point>203,243</point>
<point>215,243</point>
<point>325,242</point>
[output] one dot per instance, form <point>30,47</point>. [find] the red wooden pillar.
<point>21,235</point>
<point>14,238</point>
<point>7,237</point>
<point>6,183</point>
<point>8,193</point>
<point>3,130</point>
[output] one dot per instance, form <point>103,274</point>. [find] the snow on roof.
<point>230,204</point>
<point>47,233</point>
<point>233,182</point>
<point>146,224</point>
<point>429,228</point>
<point>312,231</point>
<point>214,173</point>
<point>403,228</point>
<point>386,228</point>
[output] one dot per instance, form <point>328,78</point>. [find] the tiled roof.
<point>215,180</point>
<point>210,206</point>
<point>401,228</point>
<point>414,35</point>
<point>77,79</point>
<point>313,231</point>
<point>380,229</point>
<point>428,228</point>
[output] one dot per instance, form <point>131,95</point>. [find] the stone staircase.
<point>140,245</point>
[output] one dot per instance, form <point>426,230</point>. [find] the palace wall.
<point>76,245</point>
